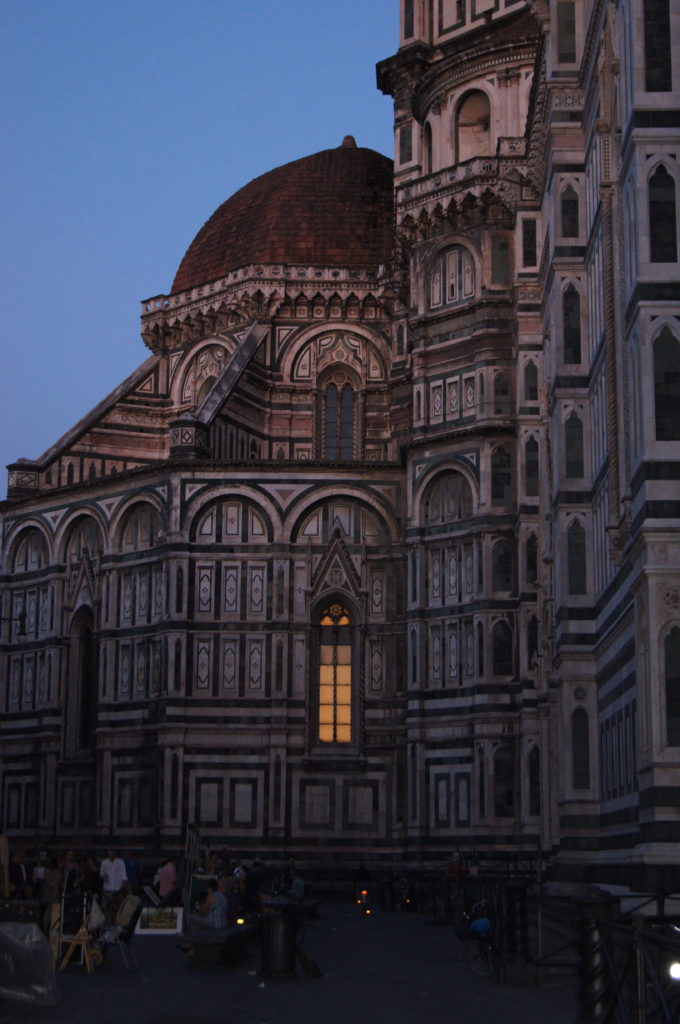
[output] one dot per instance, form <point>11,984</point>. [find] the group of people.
<point>241,890</point>
<point>52,878</point>
<point>228,891</point>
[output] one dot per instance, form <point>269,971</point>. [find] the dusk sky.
<point>124,126</point>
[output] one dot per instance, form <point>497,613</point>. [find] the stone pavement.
<point>382,969</point>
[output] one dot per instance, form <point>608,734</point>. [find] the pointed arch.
<point>580,749</point>
<point>666,354</point>
<point>576,558</point>
<point>663,242</point>
<point>573,447</point>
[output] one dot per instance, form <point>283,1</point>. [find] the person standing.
<point>18,876</point>
<point>114,883</point>
<point>167,882</point>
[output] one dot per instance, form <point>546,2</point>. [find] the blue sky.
<point>124,125</point>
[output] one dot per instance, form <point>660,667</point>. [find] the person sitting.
<point>296,889</point>
<point>210,910</point>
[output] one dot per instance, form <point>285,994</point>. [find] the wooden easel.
<point>82,938</point>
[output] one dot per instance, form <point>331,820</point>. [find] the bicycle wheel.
<point>477,956</point>
<point>495,962</point>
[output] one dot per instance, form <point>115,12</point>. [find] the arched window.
<point>532,640</point>
<point>576,558</point>
<point>571,325</point>
<point>473,137</point>
<point>31,552</point>
<point>580,749</point>
<point>573,444</point>
<point>501,478</point>
<point>531,467</point>
<point>663,244</point>
<point>82,696</point>
<point>667,386</point>
<point>569,213</point>
<point>480,649</point>
<point>83,538</point>
<point>335,676</point>
<point>501,561</point>
<point>534,773</point>
<point>504,783</point>
<point>672,676</point>
<point>530,382</point>
<point>338,422</point>
<point>501,640</point>
<point>452,278</point>
<point>427,149</point>
<point>501,395</point>
<point>142,529</point>
<point>447,500</point>
<point>531,560</point>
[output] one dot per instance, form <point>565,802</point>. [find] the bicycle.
<point>480,950</point>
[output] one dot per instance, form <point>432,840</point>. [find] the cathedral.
<point>377,553</point>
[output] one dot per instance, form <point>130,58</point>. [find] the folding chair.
<point>121,933</point>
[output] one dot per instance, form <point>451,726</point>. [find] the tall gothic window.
<point>501,561</point>
<point>571,324</point>
<point>580,749</point>
<point>658,66</point>
<point>531,467</point>
<point>576,558</point>
<point>501,478</point>
<point>530,382</point>
<point>335,676</point>
<point>569,212</point>
<point>338,422</point>
<point>501,643</point>
<point>573,443</point>
<point>504,782</point>
<point>663,243</point>
<point>501,395</point>
<point>531,560</point>
<point>667,386</point>
<point>566,32</point>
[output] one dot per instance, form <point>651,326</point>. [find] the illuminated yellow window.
<point>335,676</point>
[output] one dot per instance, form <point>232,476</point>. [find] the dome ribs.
<point>331,209</point>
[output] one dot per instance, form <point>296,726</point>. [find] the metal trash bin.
<point>279,927</point>
<point>387,900</point>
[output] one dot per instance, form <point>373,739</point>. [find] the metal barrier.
<point>617,958</point>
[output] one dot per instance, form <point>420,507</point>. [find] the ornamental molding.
<point>169,322</point>
<point>443,83</point>
<point>567,99</point>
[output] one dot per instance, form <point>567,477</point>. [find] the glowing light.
<point>240,920</point>
<point>674,971</point>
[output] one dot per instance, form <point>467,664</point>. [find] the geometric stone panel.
<point>209,801</point>
<point>243,800</point>
<point>462,799</point>
<point>441,792</point>
<point>317,804</point>
<point>360,810</point>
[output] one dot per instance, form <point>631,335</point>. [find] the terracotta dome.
<point>331,209</point>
